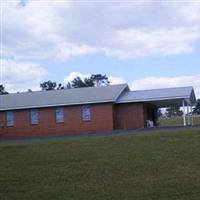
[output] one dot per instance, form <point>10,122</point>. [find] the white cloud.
<point>116,80</point>
<point>38,31</point>
<point>191,12</point>
<point>113,79</point>
<point>21,76</point>
<point>138,43</point>
<point>73,75</point>
<point>63,29</point>
<point>154,82</point>
<point>65,51</point>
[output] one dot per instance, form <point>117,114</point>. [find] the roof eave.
<point>56,105</point>
<point>152,99</point>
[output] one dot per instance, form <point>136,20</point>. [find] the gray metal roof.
<point>114,93</point>
<point>76,96</point>
<point>160,97</point>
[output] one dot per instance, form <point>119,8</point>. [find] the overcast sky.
<point>148,44</point>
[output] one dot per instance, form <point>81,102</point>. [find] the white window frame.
<point>10,120</point>
<point>34,116</point>
<point>59,111</point>
<point>86,113</point>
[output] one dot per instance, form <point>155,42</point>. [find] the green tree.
<point>99,79</point>
<point>2,90</point>
<point>159,112</point>
<point>68,86</point>
<point>60,87</point>
<point>196,109</point>
<point>93,80</point>
<point>89,82</point>
<point>50,85</point>
<point>78,83</point>
<point>174,111</point>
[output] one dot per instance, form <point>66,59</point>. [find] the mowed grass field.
<point>173,121</point>
<point>145,166</point>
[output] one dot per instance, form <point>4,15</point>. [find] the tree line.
<point>96,80</point>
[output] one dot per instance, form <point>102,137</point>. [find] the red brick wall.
<point>128,116</point>
<point>101,120</point>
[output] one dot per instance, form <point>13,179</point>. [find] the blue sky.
<point>129,69</point>
<point>147,44</point>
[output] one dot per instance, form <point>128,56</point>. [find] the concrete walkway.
<point>114,133</point>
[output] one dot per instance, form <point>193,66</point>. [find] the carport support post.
<point>184,120</point>
<point>192,119</point>
<point>188,116</point>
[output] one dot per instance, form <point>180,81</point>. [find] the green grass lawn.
<point>146,166</point>
<point>173,121</point>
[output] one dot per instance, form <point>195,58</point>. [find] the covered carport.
<point>162,98</point>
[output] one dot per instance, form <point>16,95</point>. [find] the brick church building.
<point>86,110</point>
